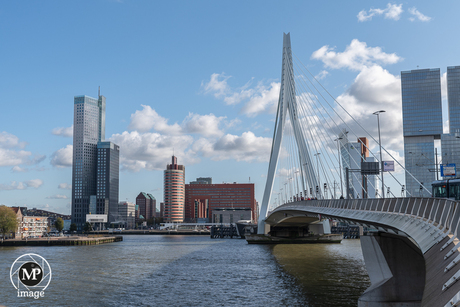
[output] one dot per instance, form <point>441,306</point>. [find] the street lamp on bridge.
<point>380,145</point>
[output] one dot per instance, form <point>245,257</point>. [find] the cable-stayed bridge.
<point>318,173</point>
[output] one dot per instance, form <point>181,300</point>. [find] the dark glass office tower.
<point>422,124</point>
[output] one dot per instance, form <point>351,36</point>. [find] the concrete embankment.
<point>55,241</point>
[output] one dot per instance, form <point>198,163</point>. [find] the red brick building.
<point>201,199</point>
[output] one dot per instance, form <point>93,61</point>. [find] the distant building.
<point>353,154</point>
<point>230,215</point>
<point>202,180</point>
<point>126,215</point>
<point>174,192</point>
<point>162,210</point>
<point>202,199</point>
<point>147,205</point>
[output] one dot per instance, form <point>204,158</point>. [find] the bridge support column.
<point>396,268</point>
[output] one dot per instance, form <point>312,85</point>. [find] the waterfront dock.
<point>56,241</point>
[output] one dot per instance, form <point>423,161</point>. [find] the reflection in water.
<point>194,271</point>
<point>329,274</point>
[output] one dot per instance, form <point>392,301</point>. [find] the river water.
<point>194,271</point>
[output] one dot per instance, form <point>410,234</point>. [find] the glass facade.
<point>420,162</point>
<point>421,102</point>
<point>453,94</point>
<point>422,124</point>
<point>108,161</point>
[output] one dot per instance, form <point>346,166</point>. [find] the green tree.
<point>8,220</point>
<point>59,224</point>
<point>73,227</point>
<point>87,227</point>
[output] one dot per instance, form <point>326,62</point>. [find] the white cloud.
<point>65,186</point>
<point>392,11</point>
<point>444,85</point>
<point>356,56</point>
<point>147,118</point>
<point>63,131</point>
<point>14,185</point>
<point>246,147</point>
<point>207,125</point>
<point>217,85</point>
<point>151,151</point>
<point>57,196</point>
<point>264,100</point>
<point>375,89</point>
<point>62,157</point>
<point>8,140</point>
<point>259,99</point>
<point>322,74</point>
<point>418,16</point>
<point>18,169</point>
<point>11,153</point>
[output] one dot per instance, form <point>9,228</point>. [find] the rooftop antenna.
<point>99,91</point>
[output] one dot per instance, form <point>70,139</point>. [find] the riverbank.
<point>54,241</point>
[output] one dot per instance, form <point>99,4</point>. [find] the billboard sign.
<point>388,166</point>
<point>448,170</point>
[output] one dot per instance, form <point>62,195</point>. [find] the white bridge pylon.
<point>287,103</point>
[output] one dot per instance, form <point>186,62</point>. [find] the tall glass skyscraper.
<point>88,131</point>
<point>422,124</point>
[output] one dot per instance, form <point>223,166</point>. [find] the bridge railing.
<point>439,211</point>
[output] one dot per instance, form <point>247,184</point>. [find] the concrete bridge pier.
<point>396,268</point>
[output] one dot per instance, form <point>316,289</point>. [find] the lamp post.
<point>340,164</point>
<point>317,164</point>
<point>380,145</point>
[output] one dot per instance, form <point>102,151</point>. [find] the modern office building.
<point>147,205</point>
<point>202,198</point>
<point>174,192</point>
<point>450,142</point>
<point>88,131</point>
<point>422,125</point>
<point>108,171</point>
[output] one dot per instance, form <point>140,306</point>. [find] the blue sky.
<point>195,77</point>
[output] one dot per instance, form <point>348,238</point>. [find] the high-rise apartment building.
<point>422,124</point>
<point>202,198</point>
<point>88,131</point>
<point>174,192</point>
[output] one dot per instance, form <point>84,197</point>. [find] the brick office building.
<point>202,198</point>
